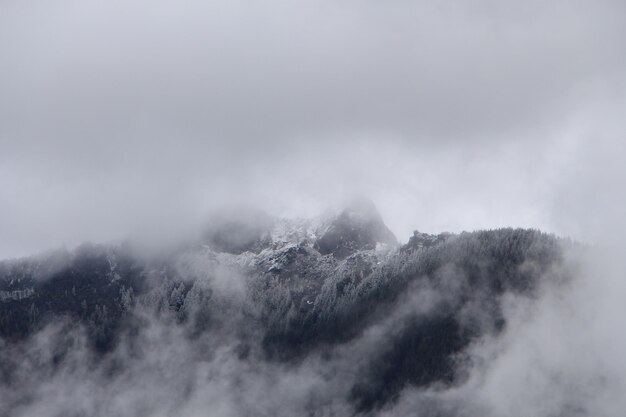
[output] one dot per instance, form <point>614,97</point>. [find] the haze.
<point>121,117</point>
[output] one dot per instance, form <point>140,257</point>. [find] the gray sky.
<point>118,117</point>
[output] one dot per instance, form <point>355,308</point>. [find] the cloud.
<point>560,353</point>
<point>128,116</point>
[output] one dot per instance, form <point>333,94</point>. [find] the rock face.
<point>340,292</point>
<point>358,227</point>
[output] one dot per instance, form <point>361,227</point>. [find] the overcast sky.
<point>122,116</point>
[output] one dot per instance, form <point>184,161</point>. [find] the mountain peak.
<point>358,227</point>
<point>362,209</point>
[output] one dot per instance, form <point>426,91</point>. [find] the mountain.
<point>377,317</point>
<point>358,227</point>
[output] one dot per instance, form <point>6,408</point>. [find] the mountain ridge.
<point>286,298</point>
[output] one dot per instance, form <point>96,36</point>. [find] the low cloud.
<point>130,117</point>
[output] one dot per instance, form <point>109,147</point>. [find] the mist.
<point>145,120</point>
<point>123,117</point>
